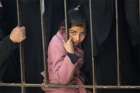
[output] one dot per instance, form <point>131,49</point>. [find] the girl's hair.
<point>75,18</point>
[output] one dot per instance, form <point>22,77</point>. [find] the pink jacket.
<point>60,68</point>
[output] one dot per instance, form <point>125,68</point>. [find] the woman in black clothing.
<point>8,46</point>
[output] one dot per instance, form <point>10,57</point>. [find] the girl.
<point>65,56</point>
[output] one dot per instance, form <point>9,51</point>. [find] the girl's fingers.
<point>44,87</point>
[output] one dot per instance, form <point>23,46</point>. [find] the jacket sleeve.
<point>60,63</point>
<point>6,48</point>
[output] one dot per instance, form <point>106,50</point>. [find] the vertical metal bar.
<point>92,50</point>
<point>42,11</point>
<point>18,12</point>
<point>117,43</point>
<point>66,20</point>
<point>139,9</point>
<point>21,53</point>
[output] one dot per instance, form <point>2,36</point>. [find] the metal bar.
<point>139,9</point>
<point>42,11</point>
<point>66,20</point>
<point>21,49</point>
<point>18,12</point>
<point>117,43</point>
<point>92,50</point>
<point>70,86</point>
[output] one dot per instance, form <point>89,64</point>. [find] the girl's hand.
<point>69,46</point>
<point>43,85</point>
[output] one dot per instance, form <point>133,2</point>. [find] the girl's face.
<point>77,33</point>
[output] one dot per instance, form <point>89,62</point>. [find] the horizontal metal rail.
<point>69,86</point>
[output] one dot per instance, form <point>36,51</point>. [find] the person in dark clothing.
<point>8,45</point>
<point>9,62</point>
<point>30,18</point>
<point>132,17</point>
<point>103,14</point>
<point>9,65</point>
<point>104,40</point>
<point>132,12</point>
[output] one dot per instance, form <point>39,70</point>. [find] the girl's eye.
<point>83,33</point>
<point>73,33</point>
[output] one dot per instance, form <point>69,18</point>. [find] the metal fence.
<point>23,85</point>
